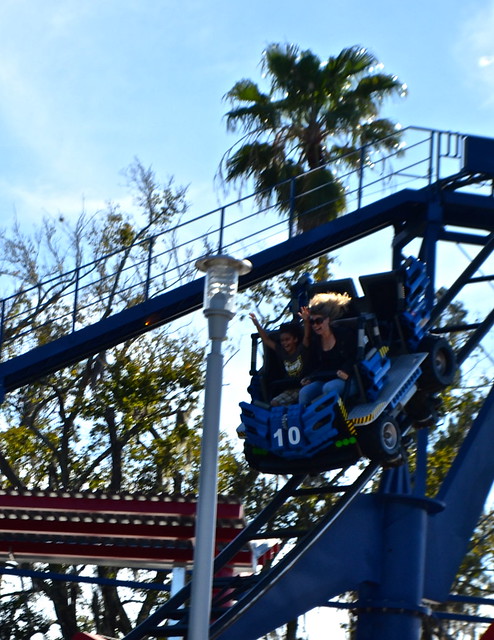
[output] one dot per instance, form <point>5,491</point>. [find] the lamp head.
<point>222,273</point>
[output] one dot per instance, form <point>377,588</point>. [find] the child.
<point>291,351</point>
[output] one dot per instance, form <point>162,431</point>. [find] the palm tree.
<point>314,114</point>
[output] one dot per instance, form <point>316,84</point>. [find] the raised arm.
<point>305,315</point>
<point>268,342</point>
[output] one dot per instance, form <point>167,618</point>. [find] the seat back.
<point>398,300</point>
<point>269,378</point>
<point>383,294</point>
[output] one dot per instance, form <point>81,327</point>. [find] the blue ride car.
<point>401,366</point>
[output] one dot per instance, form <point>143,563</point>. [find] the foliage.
<point>460,405</point>
<point>122,420</point>
<point>20,616</point>
<point>474,577</point>
<point>316,114</point>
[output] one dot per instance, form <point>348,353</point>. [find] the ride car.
<point>400,369</point>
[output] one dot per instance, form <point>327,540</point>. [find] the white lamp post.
<point>222,273</point>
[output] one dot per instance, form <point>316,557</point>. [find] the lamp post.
<point>222,273</point>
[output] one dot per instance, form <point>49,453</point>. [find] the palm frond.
<point>355,60</point>
<point>250,160</point>
<point>278,62</point>
<point>378,86</point>
<point>313,113</point>
<point>246,91</point>
<point>264,116</point>
<point>382,132</point>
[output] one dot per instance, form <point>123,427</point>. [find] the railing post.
<point>291,213</point>
<point>438,155</point>
<point>2,327</point>
<point>222,226</point>
<point>431,156</point>
<point>148,269</point>
<point>360,177</point>
<point>76,299</point>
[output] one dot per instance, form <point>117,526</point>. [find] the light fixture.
<point>221,284</point>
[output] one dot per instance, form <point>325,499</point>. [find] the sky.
<point>86,86</point>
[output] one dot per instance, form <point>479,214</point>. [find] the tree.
<point>314,114</point>
<point>474,578</point>
<point>460,405</point>
<point>122,420</point>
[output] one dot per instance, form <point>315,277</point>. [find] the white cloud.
<point>475,51</point>
<point>486,61</point>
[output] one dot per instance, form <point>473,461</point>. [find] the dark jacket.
<point>342,356</point>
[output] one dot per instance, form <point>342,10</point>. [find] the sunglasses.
<point>317,321</point>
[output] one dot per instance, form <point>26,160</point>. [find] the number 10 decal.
<point>292,433</point>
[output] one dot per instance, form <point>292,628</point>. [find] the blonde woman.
<point>335,350</point>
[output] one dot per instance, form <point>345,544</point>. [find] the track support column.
<point>393,608</point>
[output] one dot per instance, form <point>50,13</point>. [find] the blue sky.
<point>86,86</point>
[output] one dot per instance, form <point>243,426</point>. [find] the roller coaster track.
<point>245,591</point>
<point>441,193</point>
<point>433,212</point>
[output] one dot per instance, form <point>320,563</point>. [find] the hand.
<point>254,319</point>
<point>304,313</point>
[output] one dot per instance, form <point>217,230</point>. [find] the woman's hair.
<point>331,305</point>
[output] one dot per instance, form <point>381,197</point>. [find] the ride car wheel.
<point>381,440</point>
<point>439,368</point>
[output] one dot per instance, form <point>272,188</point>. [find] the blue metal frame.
<point>392,211</point>
<point>137,269</point>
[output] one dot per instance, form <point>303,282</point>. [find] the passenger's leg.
<point>337,385</point>
<point>309,392</point>
<point>287,397</point>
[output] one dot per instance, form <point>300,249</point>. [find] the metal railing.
<point>81,296</point>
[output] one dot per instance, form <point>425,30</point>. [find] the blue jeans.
<point>310,392</point>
